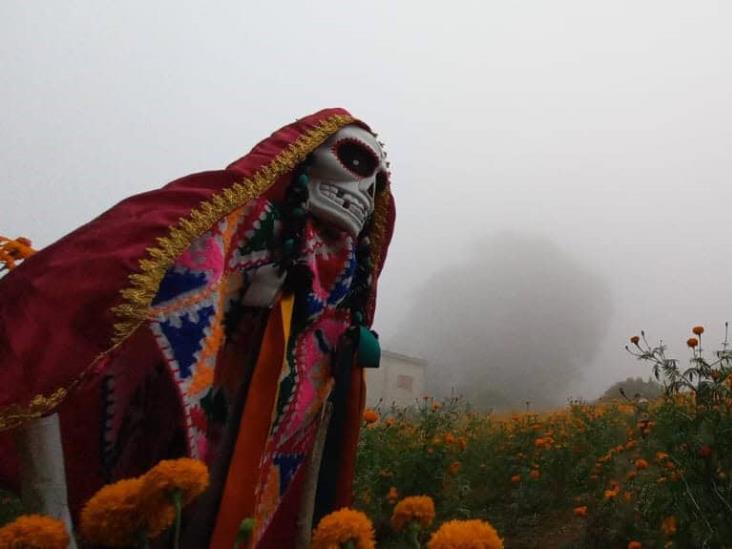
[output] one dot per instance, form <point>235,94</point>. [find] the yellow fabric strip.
<point>287,303</point>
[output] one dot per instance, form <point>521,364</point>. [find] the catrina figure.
<point>225,317</point>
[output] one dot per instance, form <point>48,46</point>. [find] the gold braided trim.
<point>15,414</point>
<point>379,226</point>
<point>144,285</point>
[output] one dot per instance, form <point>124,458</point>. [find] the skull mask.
<point>343,177</point>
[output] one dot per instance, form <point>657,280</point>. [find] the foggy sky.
<point>604,128</point>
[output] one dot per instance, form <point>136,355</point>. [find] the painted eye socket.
<point>356,157</point>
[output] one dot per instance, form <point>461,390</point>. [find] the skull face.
<point>343,178</point>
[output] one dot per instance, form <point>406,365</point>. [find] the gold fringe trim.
<point>15,415</point>
<point>144,285</point>
<point>379,226</point>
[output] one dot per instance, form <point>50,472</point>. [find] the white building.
<point>399,379</point>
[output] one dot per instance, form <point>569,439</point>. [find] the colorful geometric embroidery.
<point>306,378</point>
<point>201,290</point>
<point>194,298</point>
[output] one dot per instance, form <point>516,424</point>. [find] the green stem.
<point>414,528</point>
<point>177,501</point>
<point>143,541</point>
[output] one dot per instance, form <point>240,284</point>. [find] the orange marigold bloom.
<point>661,456</point>
<point>114,515</point>
<point>449,438</point>
<point>635,545</point>
<point>189,476</point>
<point>669,526</point>
<point>467,534</point>
<point>580,511</point>
<point>342,526</point>
<point>185,476</point>
<point>692,342</point>
<point>697,330</point>
<point>631,444</point>
<point>413,508</point>
<point>631,475</point>
<point>515,479</point>
<point>641,464</point>
<point>370,415</point>
<point>454,468</point>
<point>705,451</point>
<point>610,494</point>
<point>34,532</point>
<point>393,495</point>
<point>12,251</point>
<point>535,474</point>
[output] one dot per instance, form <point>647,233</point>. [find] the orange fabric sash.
<point>237,502</point>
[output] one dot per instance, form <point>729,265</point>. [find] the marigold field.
<point>610,475</point>
<point>631,474</point>
<point>584,476</point>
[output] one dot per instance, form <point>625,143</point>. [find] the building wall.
<point>399,379</point>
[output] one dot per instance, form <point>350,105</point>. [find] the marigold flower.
<point>515,479</point>
<point>631,475</point>
<point>580,511</point>
<point>661,456</point>
<point>669,526</point>
<point>454,468</point>
<point>393,495</point>
<point>641,464</point>
<point>413,508</point>
<point>342,526</point>
<point>692,342</point>
<point>12,251</point>
<point>114,515</point>
<point>705,451</point>
<point>189,476</point>
<point>610,494</point>
<point>634,340</point>
<point>34,532</point>
<point>449,438</point>
<point>535,474</point>
<point>465,534</point>
<point>697,330</point>
<point>370,415</point>
<point>635,545</point>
